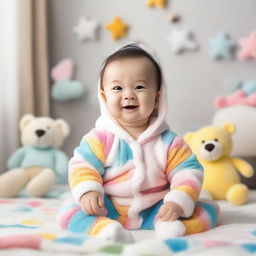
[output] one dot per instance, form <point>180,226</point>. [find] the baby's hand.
<point>169,211</point>
<point>91,203</point>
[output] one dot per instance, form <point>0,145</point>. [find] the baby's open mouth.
<point>130,107</point>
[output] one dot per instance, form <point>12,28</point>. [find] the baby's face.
<point>130,90</point>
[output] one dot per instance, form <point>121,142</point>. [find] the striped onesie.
<point>136,177</point>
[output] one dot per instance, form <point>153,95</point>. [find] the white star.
<point>86,29</point>
<point>181,40</point>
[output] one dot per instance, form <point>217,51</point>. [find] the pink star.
<point>248,47</point>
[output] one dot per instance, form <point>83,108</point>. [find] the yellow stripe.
<point>177,156</point>
<point>189,190</point>
<point>99,225</point>
<point>97,148</point>
<point>84,174</point>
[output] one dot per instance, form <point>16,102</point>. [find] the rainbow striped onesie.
<point>136,177</point>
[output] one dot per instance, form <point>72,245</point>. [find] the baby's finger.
<point>100,202</point>
<point>162,211</point>
<point>167,215</point>
<point>95,206</point>
<point>174,216</point>
<point>88,208</point>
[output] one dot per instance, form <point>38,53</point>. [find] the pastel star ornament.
<point>86,29</point>
<point>158,3</point>
<point>222,47</point>
<point>181,40</point>
<point>117,28</point>
<point>248,47</point>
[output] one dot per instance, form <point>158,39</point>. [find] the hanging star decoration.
<point>222,47</point>
<point>86,29</point>
<point>248,47</point>
<point>181,40</point>
<point>117,28</point>
<point>158,3</point>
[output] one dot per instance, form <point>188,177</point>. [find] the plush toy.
<point>212,146</point>
<point>39,164</point>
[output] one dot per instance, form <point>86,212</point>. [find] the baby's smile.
<point>130,107</point>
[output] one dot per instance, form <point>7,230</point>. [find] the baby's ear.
<point>103,95</point>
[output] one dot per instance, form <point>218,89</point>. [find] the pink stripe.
<point>185,182</point>
<point>17,241</point>
<point>203,216</point>
<point>155,189</point>
<point>109,137</point>
<point>177,142</point>
<point>65,218</point>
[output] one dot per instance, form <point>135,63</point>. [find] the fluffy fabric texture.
<point>136,173</point>
<point>108,226</point>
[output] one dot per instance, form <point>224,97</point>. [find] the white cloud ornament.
<point>181,40</point>
<point>86,29</point>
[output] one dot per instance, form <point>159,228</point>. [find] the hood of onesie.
<point>157,123</point>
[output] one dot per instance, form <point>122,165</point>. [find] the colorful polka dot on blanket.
<point>216,243</point>
<point>48,236</point>
<point>177,244</point>
<point>23,209</point>
<point>32,222</point>
<point>25,241</point>
<point>254,233</point>
<point>4,201</point>
<point>76,240</point>
<point>34,203</point>
<point>249,247</point>
<point>114,249</point>
<point>16,226</point>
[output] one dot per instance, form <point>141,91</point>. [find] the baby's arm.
<point>86,168</point>
<point>185,175</point>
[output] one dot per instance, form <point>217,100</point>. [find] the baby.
<point>132,171</point>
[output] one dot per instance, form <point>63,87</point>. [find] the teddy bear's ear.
<point>229,127</point>
<point>188,137</point>
<point>25,120</point>
<point>63,127</point>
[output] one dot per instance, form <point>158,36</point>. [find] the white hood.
<point>157,124</point>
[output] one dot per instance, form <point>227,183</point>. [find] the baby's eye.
<point>139,87</point>
<point>117,88</point>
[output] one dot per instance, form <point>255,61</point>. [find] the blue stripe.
<point>81,222</point>
<point>190,163</point>
<point>87,154</point>
<point>168,137</point>
<point>112,212</point>
<point>125,153</point>
<point>211,211</point>
<point>148,215</point>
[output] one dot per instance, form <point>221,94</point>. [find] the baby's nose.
<point>129,95</point>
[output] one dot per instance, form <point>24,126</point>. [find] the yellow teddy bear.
<point>212,145</point>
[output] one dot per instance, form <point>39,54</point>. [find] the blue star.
<point>222,47</point>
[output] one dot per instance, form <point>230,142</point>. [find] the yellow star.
<point>117,28</point>
<point>159,3</point>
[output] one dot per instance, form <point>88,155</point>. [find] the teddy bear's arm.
<point>61,166</point>
<point>243,167</point>
<point>16,158</point>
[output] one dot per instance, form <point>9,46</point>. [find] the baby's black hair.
<point>132,50</point>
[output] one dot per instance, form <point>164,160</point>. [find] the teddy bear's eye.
<point>216,140</point>
<point>48,127</point>
<point>203,141</point>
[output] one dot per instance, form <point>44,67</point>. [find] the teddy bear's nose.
<point>40,133</point>
<point>209,147</point>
